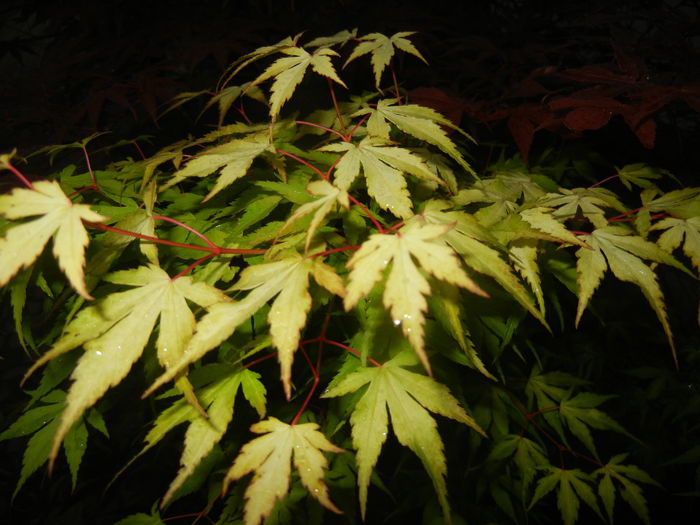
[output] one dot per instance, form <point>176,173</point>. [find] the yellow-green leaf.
<point>115,331</point>
<point>383,168</point>
<point>408,397</point>
<point>329,196</point>
<point>419,121</point>
<point>60,218</point>
<point>270,457</point>
<point>235,159</point>
<point>406,287</point>
<point>288,279</point>
<point>382,49</point>
<point>289,71</point>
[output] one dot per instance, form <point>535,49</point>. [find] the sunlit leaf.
<point>270,457</point>
<point>60,218</point>
<point>408,397</point>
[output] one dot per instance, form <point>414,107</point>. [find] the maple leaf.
<point>115,331</point>
<point>626,476</point>
<point>382,49</point>
<point>270,456</point>
<point>383,167</point>
<point>418,121</point>
<point>639,175</point>
<point>405,288</point>
<point>572,486</point>
<point>329,196</point>
<point>227,96</point>
<point>677,231</point>
<point>579,412</point>
<point>289,72</point>
<point>591,202</point>
<point>616,248</point>
<point>235,158</point>
<point>341,37</point>
<point>408,397</point>
<point>257,54</point>
<point>288,279</point>
<point>473,243</point>
<point>60,218</point>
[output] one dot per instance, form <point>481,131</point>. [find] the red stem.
<point>188,228</point>
<point>302,161</point>
<point>314,371</point>
<point>353,351</point>
<point>260,360</point>
<point>367,212</point>
<point>336,106</point>
<point>219,251</point>
<point>20,176</point>
<point>89,167</point>
<point>323,128</point>
<point>611,177</point>
<point>193,265</point>
<point>333,250</point>
<point>138,148</point>
<point>354,129</point>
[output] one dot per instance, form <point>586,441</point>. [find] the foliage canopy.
<point>359,248</point>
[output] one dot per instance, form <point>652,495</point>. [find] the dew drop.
<point>316,490</point>
<point>308,469</point>
<point>165,349</point>
<point>296,446</point>
<point>406,316</point>
<point>97,352</point>
<point>397,322</point>
<point>383,433</point>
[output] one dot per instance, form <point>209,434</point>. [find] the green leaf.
<point>579,413</point>
<point>572,486</point>
<point>639,175</point>
<point>74,446</point>
<point>615,474</point>
<point>408,397</point>
<point>270,455</point>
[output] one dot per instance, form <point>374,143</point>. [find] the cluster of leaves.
<point>427,279</point>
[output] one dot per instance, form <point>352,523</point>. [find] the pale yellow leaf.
<point>22,244</point>
<point>270,457</point>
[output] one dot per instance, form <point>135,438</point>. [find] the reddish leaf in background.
<point>587,118</point>
<point>523,132</point>
<point>582,99</point>
<point>646,133</point>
